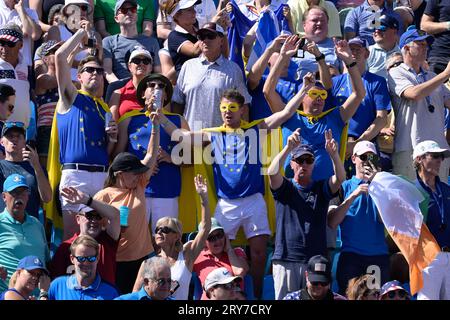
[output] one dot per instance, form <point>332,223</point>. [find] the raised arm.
<point>337,215</point>
<point>288,49</point>
<point>44,188</point>
<point>352,103</point>
<point>278,118</point>
<point>183,135</point>
<point>193,248</point>
<point>275,177</point>
<point>324,71</point>
<point>151,157</point>
<point>331,146</point>
<point>256,72</point>
<point>428,25</point>
<point>29,27</point>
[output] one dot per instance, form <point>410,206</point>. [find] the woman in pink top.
<point>124,99</point>
<point>125,186</point>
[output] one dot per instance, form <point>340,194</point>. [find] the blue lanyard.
<point>439,199</point>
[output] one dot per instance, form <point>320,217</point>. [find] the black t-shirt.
<point>301,219</point>
<point>440,11</point>
<point>175,40</point>
<point>25,169</point>
<point>418,13</point>
<point>46,6</point>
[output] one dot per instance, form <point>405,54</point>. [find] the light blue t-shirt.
<point>362,230</point>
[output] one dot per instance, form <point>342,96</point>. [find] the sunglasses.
<point>431,108</point>
<point>92,216</point>
<point>12,124</point>
<point>162,281</point>
<point>302,160</point>
<point>368,157</point>
<point>319,283</point>
<point>228,286</point>
<point>145,61</point>
<point>91,70</point>
<point>83,7</point>
<point>381,28</point>
<point>396,64</point>
<point>215,237</point>
<point>436,155</point>
<point>401,294</point>
<point>84,259</point>
<point>10,44</point>
<point>126,10</point>
<point>314,93</point>
<point>165,230</point>
<point>233,107</point>
<point>209,36</point>
<point>158,85</point>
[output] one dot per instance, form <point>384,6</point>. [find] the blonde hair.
<point>358,288</point>
<point>167,6</point>
<point>174,224</point>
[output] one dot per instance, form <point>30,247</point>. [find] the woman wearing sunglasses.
<point>125,185</point>
<point>124,99</point>
<point>393,290</point>
<point>217,253</point>
<point>168,233</point>
<point>30,274</point>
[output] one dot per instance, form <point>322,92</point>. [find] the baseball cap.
<point>76,2</point>
<point>9,125</point>
<point>364,146</point>
<point>11,32</point>
<point>319,269</point>
<point>301,150</point>
<point>128,162</point>
<point>140,51</point>
<point>184,4</point>
<point>387,21</point>
<point>429,146</point>
<point>47,47</point>
<point>219,276</point>
<point>31,263</point>
<point>120,3</point>
<point>143,85</point>
<point>211,27</point>
<point>359,41</point>
<point>215,225</point>
<point>391,286</point>
<point>14,181</point>
<point>412,34</point>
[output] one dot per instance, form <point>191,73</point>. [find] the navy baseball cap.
<point>391,286</point>
<point>360,41</point>
<point>301,150</point>
<point>387,21</point>
<point>319,269</point>
<point>31,263</point>
<point>412,34</point>
<point>14,181</point>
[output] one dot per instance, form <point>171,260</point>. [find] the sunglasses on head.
<point>10,44</point>
<point>165,230</point>
<point>319,283</point>
<point>145,61</point>
<point>92,216</point>
<point>436,155</point>
<point>368,157</point>
<point>314,93</point>
<point>162,281</point>
<point>126,10</point>
<point>232,106</point>
<point>215,237</point>
<point>88,259</point>
<point>400,293</point>
<point>208,35</point>
<point>91,70</point>
<point>159,85</point>
<point>307,159</point>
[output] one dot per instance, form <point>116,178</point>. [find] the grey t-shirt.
<point>116,47</point>
<point>414,122</point>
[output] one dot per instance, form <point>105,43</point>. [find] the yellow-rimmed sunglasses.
<point>314,93</point>
<point>232,106</point>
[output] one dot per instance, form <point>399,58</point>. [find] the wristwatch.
<point>350,65</point>
<point>322,56</point>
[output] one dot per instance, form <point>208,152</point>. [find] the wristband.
<point>89,202</point>
<point>322,56</point>
<point>43,294</point>
<point>155,126</point>
<point>350,65</point>
<point>448,25</point>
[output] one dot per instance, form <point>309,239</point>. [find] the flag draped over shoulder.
<point>240,25</point>
<point>398,202</point>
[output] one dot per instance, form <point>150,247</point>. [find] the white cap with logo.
<point>219,276</point>
<point>429,146</point>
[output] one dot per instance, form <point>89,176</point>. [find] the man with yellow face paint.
<point>237,170</point>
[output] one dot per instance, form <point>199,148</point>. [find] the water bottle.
<point>108,119</point>
<point>124,211</point>
<point>157,102</point>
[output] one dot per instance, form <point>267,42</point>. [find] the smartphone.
<point>175,285</point>
<point>374,159</point>
<point>300,51</point>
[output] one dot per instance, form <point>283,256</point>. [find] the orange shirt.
<point>135,240</point>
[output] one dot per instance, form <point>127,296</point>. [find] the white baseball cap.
<point>184,4</point>
<point>140,51</point>
<point>219,276</point>
<point>363,147</point>
<point>429,146</point>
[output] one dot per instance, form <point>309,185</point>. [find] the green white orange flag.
<point>398,202</point>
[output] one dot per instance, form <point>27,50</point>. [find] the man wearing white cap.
<point>221,285</point>
<point>428,157</point>
<point>118,47</point>
<point>362,231</point>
